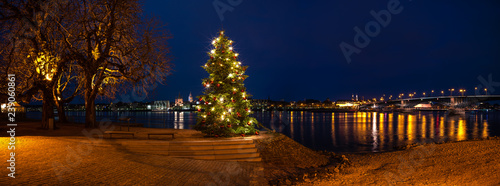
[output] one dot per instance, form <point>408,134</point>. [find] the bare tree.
<point>60,48</point>
<point>33,49</point>
<point>115,48</point>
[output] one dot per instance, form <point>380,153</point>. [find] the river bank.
<point>67,156</point>
<point>475,162</point>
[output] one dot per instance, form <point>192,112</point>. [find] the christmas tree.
<point>225,105</point>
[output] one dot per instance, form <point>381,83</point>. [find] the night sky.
<point>292,48</point>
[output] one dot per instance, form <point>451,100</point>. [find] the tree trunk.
<point>47,109</point>
<point>61,113</point>
<point>90,120</point>
<point>90,114</point>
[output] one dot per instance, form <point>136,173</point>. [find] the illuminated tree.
<point>32,49</point>
<point>115,48</point>
<point>225,110</point>
<point>60,48</point>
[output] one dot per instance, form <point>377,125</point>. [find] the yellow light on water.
<point>461,131</point>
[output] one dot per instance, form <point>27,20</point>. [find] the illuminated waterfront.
<point>341,131</point>
<point>378,131</point>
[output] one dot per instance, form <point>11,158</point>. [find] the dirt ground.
<point>454,163</point>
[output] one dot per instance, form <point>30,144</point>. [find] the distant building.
<point>260,102</point>
<point>161,105</point>
<point>423,106</point>
<point>179,102</point>
<point>190,98</point>
<point>346,104</point>
<point>18,108</point>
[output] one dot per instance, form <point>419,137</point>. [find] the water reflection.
<point>338,132</point>
<point>374,132</point>
<point>178,120</point>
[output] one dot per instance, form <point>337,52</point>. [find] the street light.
<point>424,94</point>
<point>462,91</point>
<point>451,91</point>
<point>432,92</point>
<point>475,90</point>
<point>485,91</point>
<point>442,93</point>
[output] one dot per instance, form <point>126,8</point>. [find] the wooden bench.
<point>118,132</point>
<point>162,133</point>
<point>127,120</point>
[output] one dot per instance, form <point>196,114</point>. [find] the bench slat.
<point>161,133</point>
<point>118,132</point>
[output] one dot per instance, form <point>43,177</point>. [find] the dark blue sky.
<point>292,47</point>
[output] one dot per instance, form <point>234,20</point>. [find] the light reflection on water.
<point>338,132</point>
<point>375,131</point>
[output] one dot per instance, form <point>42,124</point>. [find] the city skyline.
<point>414,52</point>
<point>428,45</point>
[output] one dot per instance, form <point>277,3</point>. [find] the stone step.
<point>221,156</point>
<point>166,153</point>
<point>246,159</point>
<point>146,149</point>
<point>215,147</point>
<point>144,143</point>
<point>164,147</point>
<point>210,143</point>
<point>236,156</point>
<point>223,150</point>
<point>212,152</point>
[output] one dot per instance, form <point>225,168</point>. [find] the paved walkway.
<point>81,161</point>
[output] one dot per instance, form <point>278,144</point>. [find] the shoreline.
<point>446,163</point>
<point>284,160</point>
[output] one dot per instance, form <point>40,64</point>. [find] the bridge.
<point>453,101</point>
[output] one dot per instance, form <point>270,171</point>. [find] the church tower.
<point>190,98</point>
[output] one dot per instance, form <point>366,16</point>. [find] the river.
<point>341,132</point>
